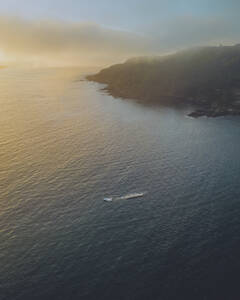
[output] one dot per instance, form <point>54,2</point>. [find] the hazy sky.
<point>106,31</point>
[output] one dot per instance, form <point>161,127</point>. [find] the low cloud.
<point>67,43</point>
<point>189,31</point>
<point>64,43</point>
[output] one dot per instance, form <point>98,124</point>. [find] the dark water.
<point>64,145</point>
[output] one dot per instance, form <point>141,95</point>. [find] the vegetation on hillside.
<point>208,77</point>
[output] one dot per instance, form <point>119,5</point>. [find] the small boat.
<point>108,199</point>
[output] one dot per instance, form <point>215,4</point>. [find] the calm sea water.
<point>64,145</point>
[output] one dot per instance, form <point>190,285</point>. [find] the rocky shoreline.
<point>200,111</point>
<point>214,113</point>
<point>206,79</point>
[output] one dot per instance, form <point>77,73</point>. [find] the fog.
<point>64,43</point>
<point>61,43</point>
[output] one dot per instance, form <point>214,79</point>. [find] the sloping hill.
<point>208,77</point>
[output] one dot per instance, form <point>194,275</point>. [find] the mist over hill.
<point>208,77</point>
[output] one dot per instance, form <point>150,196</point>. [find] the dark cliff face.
<point>207,76</point>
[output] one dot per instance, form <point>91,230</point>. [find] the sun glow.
<point>3,58</point>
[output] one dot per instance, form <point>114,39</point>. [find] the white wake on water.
<point>125,197</point>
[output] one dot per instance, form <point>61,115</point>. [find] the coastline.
<point>204,110</point>
<point>211,113</point>
<point>205,78</point>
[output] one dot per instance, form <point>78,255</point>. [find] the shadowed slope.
<point>207,76</point>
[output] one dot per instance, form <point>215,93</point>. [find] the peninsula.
<point>207,78</point>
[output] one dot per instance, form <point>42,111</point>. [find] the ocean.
<point>64,146</point>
